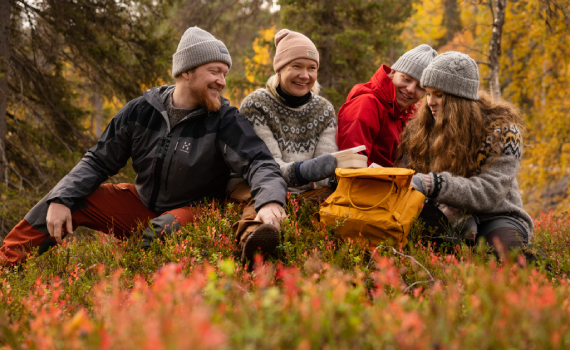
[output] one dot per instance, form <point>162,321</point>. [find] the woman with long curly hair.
<point>466,149</point>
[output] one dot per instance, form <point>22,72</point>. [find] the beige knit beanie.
<point>291,46</point>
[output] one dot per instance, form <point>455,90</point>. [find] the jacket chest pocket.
<point>179,160</point>
<point>189,160</point>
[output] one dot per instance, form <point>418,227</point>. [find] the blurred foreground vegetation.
<point>188,291</point>
<point>73,64</point>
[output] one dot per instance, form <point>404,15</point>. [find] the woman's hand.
<point>422,183</point>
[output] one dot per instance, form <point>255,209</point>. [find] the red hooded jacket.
<point>371,117</point>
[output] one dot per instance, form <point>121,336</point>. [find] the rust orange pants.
<point>110,208</point>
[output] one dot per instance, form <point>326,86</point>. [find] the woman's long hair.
<point>273,81</point>
<point>450,142</point>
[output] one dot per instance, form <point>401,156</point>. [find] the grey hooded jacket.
<point>177,166</point>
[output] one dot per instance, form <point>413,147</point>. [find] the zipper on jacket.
<point>165,142</point>
<point>169,164</point>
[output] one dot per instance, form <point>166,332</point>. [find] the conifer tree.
<point>4,59</point>
<point>51,51</point>
<point>237,23</point>
<point>116,46</point>
<point>354,37</point>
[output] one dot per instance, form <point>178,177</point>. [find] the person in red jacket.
<point>376,112</point>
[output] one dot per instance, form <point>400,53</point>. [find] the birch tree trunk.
<point>4,59</point>
<point>495,47</point>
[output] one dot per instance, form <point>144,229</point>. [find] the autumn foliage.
<point>534,75</point>
<point>188,291</point>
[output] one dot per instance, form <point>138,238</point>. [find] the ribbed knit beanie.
<point>454,73</point>
<point>415,61</point>
<point>291,46</point>
<point>198,47</point>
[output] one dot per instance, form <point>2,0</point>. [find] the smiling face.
<point>408,89</point>
<point>298,77</point>
<point>434,100</point>
<point>206,83</point>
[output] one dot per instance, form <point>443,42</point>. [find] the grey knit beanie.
<point>454,73</point>
<point>415,61</point>
<point>198,47</point>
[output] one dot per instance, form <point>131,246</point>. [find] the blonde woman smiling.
<point>299,128</point>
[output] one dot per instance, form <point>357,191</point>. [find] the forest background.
<point>66,67</point>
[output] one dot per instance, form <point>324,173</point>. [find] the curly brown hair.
<point>451,141</point>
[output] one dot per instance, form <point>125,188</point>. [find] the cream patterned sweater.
<point>292,134</point>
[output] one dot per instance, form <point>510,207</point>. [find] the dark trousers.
<point>502,232</point>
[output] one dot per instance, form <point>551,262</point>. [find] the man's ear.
<point>391,74</point>
<point>180,79</point>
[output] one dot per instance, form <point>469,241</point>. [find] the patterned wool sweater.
<point>494,192</point>
<point>292,134</point>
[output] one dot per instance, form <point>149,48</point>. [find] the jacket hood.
<point>381,86</point>
<point>156,96</point>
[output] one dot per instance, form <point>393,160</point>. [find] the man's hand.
<point>58,215</point>
<point>271,213</point>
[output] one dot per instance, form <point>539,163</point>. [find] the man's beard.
<point>205,101</point>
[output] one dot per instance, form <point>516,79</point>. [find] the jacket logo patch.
<point>185,147</point>
<point>311,54</point>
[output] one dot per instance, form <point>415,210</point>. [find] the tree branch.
<point>39,116</point>
<point>481,62</point>
<point>22,178</point>
<point>35,164</point>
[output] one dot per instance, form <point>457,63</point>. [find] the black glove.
<point>317,169</point>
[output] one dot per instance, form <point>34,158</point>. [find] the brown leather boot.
<point>263,241</point>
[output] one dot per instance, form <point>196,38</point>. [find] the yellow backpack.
<point>375,204</point>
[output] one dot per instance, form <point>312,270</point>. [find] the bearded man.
<point>184,141</point>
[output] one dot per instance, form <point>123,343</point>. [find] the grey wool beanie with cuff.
<point>198,47</point>
<point>415,61</point>
<point>454,73</point>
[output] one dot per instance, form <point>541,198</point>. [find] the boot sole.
<point>264,240</point>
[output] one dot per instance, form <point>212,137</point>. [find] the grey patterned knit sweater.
<point>292,134</point>
<point>494,192</point>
